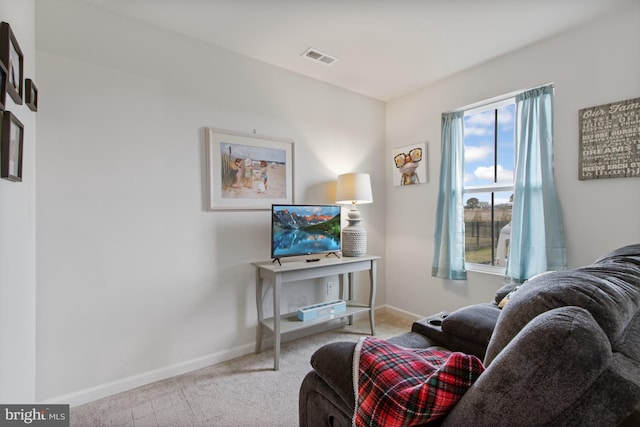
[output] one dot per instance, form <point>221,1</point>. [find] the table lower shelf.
<point>290,322</point>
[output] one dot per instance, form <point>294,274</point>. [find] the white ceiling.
<point>386,48</point>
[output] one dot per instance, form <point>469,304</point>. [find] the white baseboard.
<point>398,312</point>
<point>81,397</point>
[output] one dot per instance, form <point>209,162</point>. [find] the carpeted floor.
<point>241,392</point>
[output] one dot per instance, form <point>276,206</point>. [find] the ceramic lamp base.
<point>354,242</point>
<point>354,236</point>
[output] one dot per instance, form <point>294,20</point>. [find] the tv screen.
<point>304,230</point>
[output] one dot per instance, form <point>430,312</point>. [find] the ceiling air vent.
<point>316,55</point>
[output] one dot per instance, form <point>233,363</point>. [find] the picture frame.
<point>31,95</point>
<point>410,163</point>
<point>608,138</point>
<point>247,170</point>
<point>3,86</point>
<point>11,147</point>
<point>11,56</point>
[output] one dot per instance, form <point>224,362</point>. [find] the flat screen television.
<point>304,230</point>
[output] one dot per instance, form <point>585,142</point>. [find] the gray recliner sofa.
<point>564,351</point>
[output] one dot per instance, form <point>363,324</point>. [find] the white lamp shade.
<point>354,188</point>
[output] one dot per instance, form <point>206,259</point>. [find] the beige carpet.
<point>241,392</point>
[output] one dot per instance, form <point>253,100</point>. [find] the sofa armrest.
<point>467,329</point>
<point>326,395</point>
<point>320,406</point>
<point>333,364</point>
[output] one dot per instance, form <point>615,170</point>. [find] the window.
<point>536,242</point>
<point>488,184</point>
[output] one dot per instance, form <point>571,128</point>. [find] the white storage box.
<point>325,309</point>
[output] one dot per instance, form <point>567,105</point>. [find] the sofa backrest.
<point>551,366</point>
<point>609,289</point>
<point>565,350</point>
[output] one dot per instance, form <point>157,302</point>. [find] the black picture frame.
<point>13,59</point>
<point>3,85</point>
<point>31,94</point>
<point>11,147</point>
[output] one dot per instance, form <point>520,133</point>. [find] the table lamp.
<point>354,188</point>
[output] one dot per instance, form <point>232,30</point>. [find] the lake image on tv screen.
<point>304,230</point>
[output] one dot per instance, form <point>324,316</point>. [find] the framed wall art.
<point>3,85</point>
<point>11,56</point>
<point>411,164</point>
<point>31,94</point>
<point>248,171</point>
<point>608,140</point>
<point>11,147</point>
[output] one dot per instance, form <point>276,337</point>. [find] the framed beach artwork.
<point>410,163</point>
<point>248,171</point>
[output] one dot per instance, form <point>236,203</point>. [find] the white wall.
<point>592,65</point>
<point>17,234</point>
<point>136,281</point>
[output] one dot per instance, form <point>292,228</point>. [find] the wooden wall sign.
<point>610,140</point>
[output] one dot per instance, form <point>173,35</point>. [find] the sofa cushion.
<point>542,373</point>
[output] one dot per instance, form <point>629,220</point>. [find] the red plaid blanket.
<point>398,386</point>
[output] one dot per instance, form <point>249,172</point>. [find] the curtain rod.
<point>496,99</point>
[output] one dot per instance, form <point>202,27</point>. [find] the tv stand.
<point>294,271</point>
<point>333,253</point>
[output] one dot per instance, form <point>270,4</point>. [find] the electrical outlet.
<point>329,288</point>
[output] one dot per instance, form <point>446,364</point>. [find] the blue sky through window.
<point>479,164</point>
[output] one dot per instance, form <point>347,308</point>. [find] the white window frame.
<point>495,187</point>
